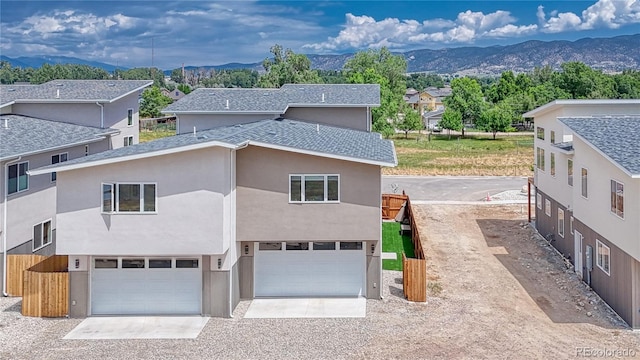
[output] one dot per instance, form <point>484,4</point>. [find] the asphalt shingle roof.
<point>276,101</point>
<point>25,135</point>
<point>329,140</point>
<point>76,90</point>
<point>618,137</point>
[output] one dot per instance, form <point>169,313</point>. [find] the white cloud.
<point>603,14</point>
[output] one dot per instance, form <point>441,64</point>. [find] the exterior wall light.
<point>373,248</point>
<point>219,263</point>
<point>246,249</point>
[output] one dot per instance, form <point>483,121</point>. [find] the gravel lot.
<point>496,291</point>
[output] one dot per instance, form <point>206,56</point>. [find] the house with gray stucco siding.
<point>192,223</point>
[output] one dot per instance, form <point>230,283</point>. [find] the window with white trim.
<point>130,117</point>
<point>617,198</point>
<point>552,163</point>
<point>540,158</point>
<point>547,207</point>
<point>539,201</point>
<point>42,235</point>
<point>570,172</point>
<point>584,175</point>
<point>552,137</point>
<point>571,224</point>
<point>603,257</point>
<point>128,140</point>
<point>561,222</point>
<point>129,198</point>
<point>314,188</point>
<point>540,133</point>
<point>55,159</point>
<point>17,178</point>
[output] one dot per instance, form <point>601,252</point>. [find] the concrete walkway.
<point>139,327</point>
<point>307,308</point>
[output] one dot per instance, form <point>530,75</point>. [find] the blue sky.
<point>211,33</point>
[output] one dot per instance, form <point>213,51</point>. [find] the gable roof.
<point>24,135</point>
<point>275,101</point>
<point>559,103</point>
<point>60,91</point>
<point>615,137</point>
<point>288,135</point>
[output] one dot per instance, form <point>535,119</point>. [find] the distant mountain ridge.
<point>607,54</point>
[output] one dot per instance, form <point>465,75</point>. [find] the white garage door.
<point>145,286</point>
<point>308,269</point>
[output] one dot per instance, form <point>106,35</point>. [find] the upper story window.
<point>552,136</point>
<point>129,198</point>
<point>17,178</point>
<point>540,133</point>
<point>617,198</point>
<point>540,158</point>
<point>570,172</point>
<point>42,235</point>
<point>130,117</point>
<point>314,188</point>
<point>603,257</point>
<point>552,164</point>
<point>128,140</point>
<point>55,159</point>
<point>585,192</point>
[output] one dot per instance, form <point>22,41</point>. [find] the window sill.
<point>314,202</point>
<point>129,213</point>
<point>616,215</point>
<point>43,246</point>
<point>599,267</point>
<point>17,192</point>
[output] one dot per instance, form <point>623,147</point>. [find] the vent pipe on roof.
<point>58,94</point>
<point>194,132</point>
<point>227,106</point>
<point>322,97</point>
<point>318,128</point>
<point>6,123</point>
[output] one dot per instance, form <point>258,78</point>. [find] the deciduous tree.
<point>287,67</point>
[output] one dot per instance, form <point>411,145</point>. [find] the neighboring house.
<point>28,203</point>
<point>432,118</point>
<point>587,179</point>
<point>432,98</point>
<point>412,97</point>
<point>192,223</point>
<point>341,105</point>
<point>173,94</point>
<point>103,104</point>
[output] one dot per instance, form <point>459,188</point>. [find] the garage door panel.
<point>309,273</point>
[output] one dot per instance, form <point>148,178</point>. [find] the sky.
<point>167,34</point>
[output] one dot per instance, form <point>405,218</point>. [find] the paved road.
<point>456,188</point>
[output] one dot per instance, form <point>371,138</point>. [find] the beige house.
<point>193,223</point>
<point>47,124</point>
<point>587,179</point>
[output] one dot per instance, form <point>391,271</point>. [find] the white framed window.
<point>617,198</point>
<point>128,140</point>
<point>552,164</point>
<point>603,256</point>
<point>42,235</point>
<point>55,159</point>
<point>17,178</point>
<point>130,117</point>
<point>561,222</point>
<point>314,188</point>
<point>584,176</point>
<point>570,172</point>
<point>540,158</point>
<point>552,137</point>
<point>571,225</point>
<point>547,207</point>
<point>133,198</point>
<point>540,133</point>
<point>539,201</point>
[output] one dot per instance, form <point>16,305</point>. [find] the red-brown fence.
<point>391,205</point>
<point>46,288</point>
<point>16,265</point>
<point>414,271</point>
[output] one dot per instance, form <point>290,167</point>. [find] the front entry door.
<point>577,238</point>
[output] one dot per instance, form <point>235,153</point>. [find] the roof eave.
<point>221,112</point>
<point>56,148</point>
<point>132,91</point>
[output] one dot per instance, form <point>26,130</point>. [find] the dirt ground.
<point>498,290</point>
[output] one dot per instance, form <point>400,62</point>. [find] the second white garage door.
<point>302,269</point>
<point>146,286</point>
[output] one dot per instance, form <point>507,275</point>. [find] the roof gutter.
<point>4,228</point>
<point>101,115</point>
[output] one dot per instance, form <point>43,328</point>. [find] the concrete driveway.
<point>293,308</point>
<point>139,327</point>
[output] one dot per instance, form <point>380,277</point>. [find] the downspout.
<point>4,228</point>
<point>101,115</point>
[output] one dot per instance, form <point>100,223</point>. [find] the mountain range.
<point>606,54</point>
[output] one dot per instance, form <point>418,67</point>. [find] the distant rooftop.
<point>71,91</point>
<point>275,101</point>
<point>617,137</point>
<point>438,92</point>
<point>314,139</point>
<point>24,135</point>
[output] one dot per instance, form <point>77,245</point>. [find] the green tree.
<point>466,98</point>
<point>503,88</point>
<point>451,120</point>
<point>287,67</point>
<point>498,118</point>
<point>582,82</point>
<point>421,81</point>
<point>408,120</point>
<point>176,76</point>
<point>184,88</point>
<point>154,74</point>
<point>387,70</point>
<point>152,102</point>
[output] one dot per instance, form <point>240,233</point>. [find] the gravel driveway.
<point>496,291</point>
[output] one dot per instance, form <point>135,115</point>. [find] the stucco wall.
<point>264,212</point>
<point>191,191</point>
<point>353,118</point>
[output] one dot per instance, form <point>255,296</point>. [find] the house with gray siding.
<point>192,223</point>
<point>587,179</point>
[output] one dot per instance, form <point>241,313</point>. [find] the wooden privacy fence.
<point>414,271</point>
<point>391,205</point>
<point>46,288</point>
<point>16,265</point>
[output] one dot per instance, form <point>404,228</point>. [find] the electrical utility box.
<point>589,256</point>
